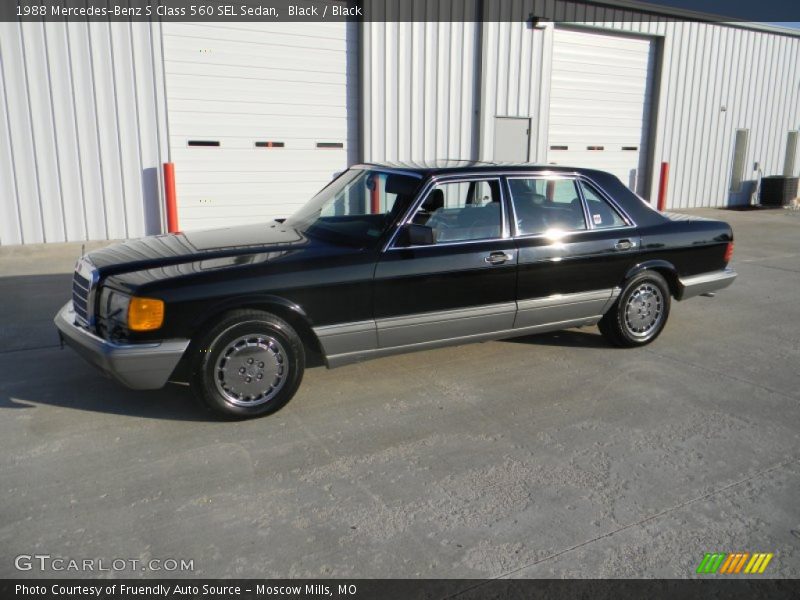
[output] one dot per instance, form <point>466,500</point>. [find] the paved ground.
<point>549,456</point>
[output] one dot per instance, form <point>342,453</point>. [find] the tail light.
<point>728,252</point>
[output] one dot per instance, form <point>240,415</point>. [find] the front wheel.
<point>640,313</point>
<point>249,364</point>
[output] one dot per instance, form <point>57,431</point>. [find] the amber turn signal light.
<point>145,314</point>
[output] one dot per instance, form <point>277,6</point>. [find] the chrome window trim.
<point>576,177</point>
<point>392,170</point>
<point>614,205</point>
<point>451,178</point>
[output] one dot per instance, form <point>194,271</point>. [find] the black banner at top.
<point>320,11</point>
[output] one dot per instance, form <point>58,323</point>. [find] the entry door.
<point>600,101</point>
<point>463,284</point>
<point>511,139</point>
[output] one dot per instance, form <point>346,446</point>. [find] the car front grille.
<point>83,282</point>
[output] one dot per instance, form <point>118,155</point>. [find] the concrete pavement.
<point>548,456</point>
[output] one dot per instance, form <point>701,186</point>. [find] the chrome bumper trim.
<point>705,283</point>
<point>145,366</point>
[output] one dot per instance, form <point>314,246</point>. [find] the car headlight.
<point>134,313</point>
<point>114,306</point>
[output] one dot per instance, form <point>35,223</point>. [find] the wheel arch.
<point>276,305</point>
<point>664,268</point>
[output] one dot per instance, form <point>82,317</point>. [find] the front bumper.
<point>145,366</point>
<point>705,283</point>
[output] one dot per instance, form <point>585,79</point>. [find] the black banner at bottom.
<point>422,589</point>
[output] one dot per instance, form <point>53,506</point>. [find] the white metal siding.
<point>82,131</point>
<point>516,66</point>
<point>600,92</point>
<point>704,67</point>
<point>753,74</point>
<point>241,83</point>
<point>420,91</point>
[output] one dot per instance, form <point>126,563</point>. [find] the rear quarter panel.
<point>693,246</point>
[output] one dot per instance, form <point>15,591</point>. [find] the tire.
<point>640,313</point>
<point>248,364</point>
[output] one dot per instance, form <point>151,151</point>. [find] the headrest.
<point>402,185</point>
<point>434,201</point>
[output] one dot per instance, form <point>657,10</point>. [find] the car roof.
<point>451,166</point>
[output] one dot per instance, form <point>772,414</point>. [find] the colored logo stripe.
<point>734,562</point>
<point>728,564</point>
<point>759,562</point>
<point>711,562</point>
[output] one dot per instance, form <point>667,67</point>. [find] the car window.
<point>601,212</point>
<point>542,204</point>
<point>459,211</point>
<point>356,208</point>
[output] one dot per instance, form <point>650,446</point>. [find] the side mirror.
<point>418,235</point>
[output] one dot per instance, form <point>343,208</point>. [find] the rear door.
<point>575,247</point>
<point>463,284</point>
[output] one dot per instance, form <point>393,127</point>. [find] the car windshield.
<point>357,207</point>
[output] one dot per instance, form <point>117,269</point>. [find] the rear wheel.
<point>640,313</point>
<point>249,364</point>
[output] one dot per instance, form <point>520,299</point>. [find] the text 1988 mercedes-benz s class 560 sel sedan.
<point>388,258</point>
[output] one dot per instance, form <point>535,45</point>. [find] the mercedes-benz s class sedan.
<point>388,258</point>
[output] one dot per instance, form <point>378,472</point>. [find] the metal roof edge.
<point>669,11</point>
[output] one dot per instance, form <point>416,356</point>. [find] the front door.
<point>462,281</point>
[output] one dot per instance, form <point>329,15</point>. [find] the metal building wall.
<point>754,75</point>
<point>420,85</point>
<point>82,132</point>
<point>703,67</point>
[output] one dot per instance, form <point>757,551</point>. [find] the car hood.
<point>174,249</point>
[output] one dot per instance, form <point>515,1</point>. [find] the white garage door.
<point>261,116</point>
<point>600,103</point>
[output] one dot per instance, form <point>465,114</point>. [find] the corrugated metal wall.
<point>713,79</point>
<point>83,130</point>
<point>82,133</point>
<point>420,87</point>
<point>516,74</point>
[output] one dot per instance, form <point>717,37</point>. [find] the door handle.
<point>624,245</point>
<point>498,258</point>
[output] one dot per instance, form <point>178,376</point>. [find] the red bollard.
<point>170,197</point>
<point>375,195</point>
<point>662,187</point>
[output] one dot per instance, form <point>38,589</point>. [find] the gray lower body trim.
<point>146,366</point>
<point>345,359</point>
<point>564,307</point>
<point>429,327</point>
<point>705,283</point>
<point>354,342</point>
<point>347,337</point>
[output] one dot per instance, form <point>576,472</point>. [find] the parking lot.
<point>548,456</point>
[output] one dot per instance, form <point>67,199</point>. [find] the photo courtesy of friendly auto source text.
<point>384,299</point>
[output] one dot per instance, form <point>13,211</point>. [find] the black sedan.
<point>388,258</point>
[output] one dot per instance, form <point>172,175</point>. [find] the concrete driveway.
<point>548,456</point>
